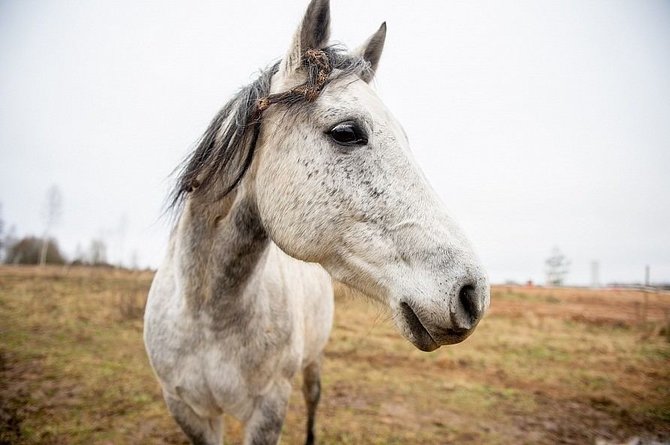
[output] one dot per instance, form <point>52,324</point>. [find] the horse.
<point>303,179</point>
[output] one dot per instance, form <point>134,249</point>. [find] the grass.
<point>545,366</point>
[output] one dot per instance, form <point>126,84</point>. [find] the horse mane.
<point>227,147</point>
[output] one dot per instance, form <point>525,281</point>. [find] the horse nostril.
<point>467,296</point>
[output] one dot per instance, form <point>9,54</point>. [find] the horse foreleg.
<point>200,431</point>
<point>311,390</point>
<point>266,422</point>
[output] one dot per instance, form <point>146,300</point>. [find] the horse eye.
<point>348,134</point>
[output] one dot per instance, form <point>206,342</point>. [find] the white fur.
<point>364,215</point>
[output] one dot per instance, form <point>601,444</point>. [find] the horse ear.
<point>313,33</point>
<point>371,51</point>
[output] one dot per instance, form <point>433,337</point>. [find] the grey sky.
<point>539,123</point>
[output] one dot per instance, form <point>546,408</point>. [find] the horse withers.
<point>303,177</point>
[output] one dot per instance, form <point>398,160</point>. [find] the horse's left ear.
<point>313,33</point>
<point>371,51</point>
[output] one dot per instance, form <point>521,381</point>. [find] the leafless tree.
<point>51,212</point>
<point>8,240</point>
<point>97,252</point>
<point>556,267</point>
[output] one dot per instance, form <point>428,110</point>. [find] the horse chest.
<point>215,364</point>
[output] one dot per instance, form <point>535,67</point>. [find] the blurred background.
<point>541,125</point>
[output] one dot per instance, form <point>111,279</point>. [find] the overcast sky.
<point>540,123</point>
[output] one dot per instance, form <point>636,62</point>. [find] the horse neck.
<point>219,246</point>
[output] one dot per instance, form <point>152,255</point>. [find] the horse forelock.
<point>226,149</point>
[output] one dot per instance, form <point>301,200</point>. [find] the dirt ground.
<point>545,366</point>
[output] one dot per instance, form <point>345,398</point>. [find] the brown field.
<point>545,366</point>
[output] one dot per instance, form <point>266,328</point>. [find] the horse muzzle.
<point>429,325</point>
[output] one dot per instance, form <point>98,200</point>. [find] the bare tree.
<point>51,212</point>
<point>97,252</point>
<point>8,240</point>
<point>556,267</point>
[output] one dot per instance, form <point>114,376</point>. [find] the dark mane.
<point>226,149</point>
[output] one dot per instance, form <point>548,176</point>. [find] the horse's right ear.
<point>313,33</point>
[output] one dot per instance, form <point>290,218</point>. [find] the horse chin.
<point>422,343</point>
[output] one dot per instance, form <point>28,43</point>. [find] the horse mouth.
<point>417,333</point>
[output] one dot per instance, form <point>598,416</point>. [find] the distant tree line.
<point>32,250</point>
<point>44,250</point>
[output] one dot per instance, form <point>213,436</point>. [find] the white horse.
<point>304,175</point>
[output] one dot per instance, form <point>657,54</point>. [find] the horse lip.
<point>429,340</point>
<point>420,337</point>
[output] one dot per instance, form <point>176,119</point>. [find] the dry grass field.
<point>545,366</point>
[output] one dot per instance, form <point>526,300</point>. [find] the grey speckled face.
<point>336,184</point>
